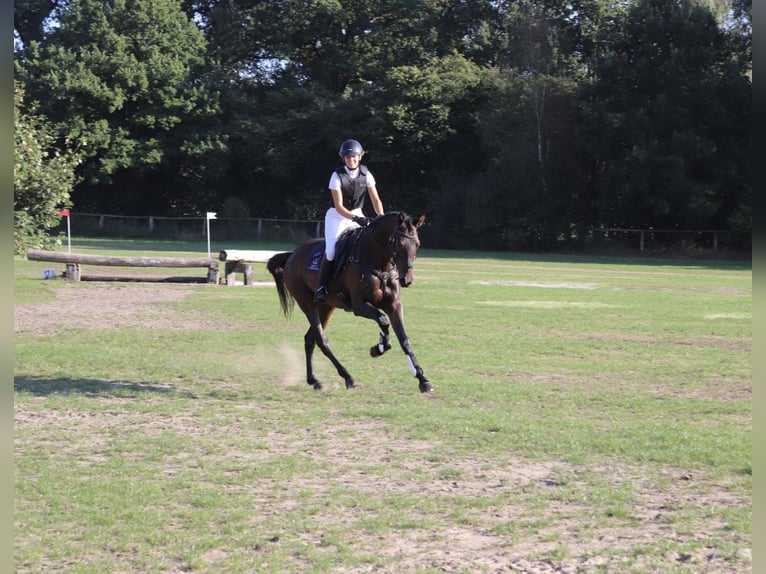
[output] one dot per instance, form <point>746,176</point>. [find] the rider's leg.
<point>332,222</point>
<point>325,269</point>
<point>335,224</point>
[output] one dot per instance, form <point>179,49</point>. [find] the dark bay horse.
<point>367,284</point>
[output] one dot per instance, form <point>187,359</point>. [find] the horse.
<point>368,282</point>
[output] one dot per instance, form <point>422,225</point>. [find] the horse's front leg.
<point>384,340</point>
<point>363,309</point>
<point>397,321</point>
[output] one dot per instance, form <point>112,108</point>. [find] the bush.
<point>42,180</point>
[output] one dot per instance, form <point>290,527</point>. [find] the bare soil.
<point>572,542</point>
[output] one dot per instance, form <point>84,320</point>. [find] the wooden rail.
<point>74,260</point>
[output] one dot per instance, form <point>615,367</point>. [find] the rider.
<point>348,184</point>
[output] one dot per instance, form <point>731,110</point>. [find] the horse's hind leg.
<point>324,346</point>
<point>309,342</point>
<point>316,336</point>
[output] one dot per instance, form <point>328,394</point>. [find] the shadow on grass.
<point>43,387</point>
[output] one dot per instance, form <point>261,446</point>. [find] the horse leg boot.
<point>325,269</point>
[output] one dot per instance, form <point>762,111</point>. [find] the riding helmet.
<point>350,147</point>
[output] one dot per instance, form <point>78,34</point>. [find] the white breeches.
<point>334,225</point>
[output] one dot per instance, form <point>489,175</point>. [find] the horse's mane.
<point>391,214</point>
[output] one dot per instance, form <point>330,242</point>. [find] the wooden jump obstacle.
<point>241,261</point>
<point>74,260</point>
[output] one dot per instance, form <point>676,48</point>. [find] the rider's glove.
<point>361,220</point>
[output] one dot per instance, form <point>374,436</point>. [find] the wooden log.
<point>120,260</point>
<point>246,255</point>
<point>74,260</point>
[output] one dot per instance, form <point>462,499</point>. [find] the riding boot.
<point>325,269</point>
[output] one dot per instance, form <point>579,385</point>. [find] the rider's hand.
<point>361,220</point>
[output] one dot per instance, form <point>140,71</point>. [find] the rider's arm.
<point>377,204</point>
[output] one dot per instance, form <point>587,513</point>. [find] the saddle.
<point>345,251</point>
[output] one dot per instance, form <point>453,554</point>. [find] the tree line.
<point>523,124</point>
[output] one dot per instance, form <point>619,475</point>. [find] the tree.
<point>126,80</point>
<point>669,122</point>
<point>338,69</point>
<point>530,185</point>
<point>42,180</point>
<point>516,124</point>
<point>29,17</point>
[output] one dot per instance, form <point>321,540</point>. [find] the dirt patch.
<point>107,306</point>
<point>537,519</point>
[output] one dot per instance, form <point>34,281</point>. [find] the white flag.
<point>211,215</point>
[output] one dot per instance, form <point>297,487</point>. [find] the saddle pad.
<point>315,259</point>
<point>343,250</point>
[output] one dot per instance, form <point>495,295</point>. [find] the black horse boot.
<point>325,269</point>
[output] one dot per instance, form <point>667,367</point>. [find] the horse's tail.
<point>276,266</point>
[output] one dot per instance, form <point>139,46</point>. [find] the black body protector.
<point>353,190</point>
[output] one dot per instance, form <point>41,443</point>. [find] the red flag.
<point>64,212</point>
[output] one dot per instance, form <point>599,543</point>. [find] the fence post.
<point>715,241</point>
<point>642,240</point>
<point>151,224</point>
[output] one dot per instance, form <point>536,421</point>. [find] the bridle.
<point>390,249</point>
<point>392,243</point>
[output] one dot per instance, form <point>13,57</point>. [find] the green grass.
<point>575,396</point>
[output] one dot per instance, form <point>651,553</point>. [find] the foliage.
<point>660,149</point>
<point>43,178</point>
<point>128,77</point>
<point>513,124</point>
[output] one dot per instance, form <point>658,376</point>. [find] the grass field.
<point>590,415</point>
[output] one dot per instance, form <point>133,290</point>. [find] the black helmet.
<point>350,147</point>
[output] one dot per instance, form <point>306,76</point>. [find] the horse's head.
<point>404,246</point>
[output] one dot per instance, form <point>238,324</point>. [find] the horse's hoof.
<point>317,386</point>
<point>378,350</point>
<point>426,387</point>
<point>350,384</point>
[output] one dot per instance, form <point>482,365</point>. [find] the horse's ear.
<point>421,220</point>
